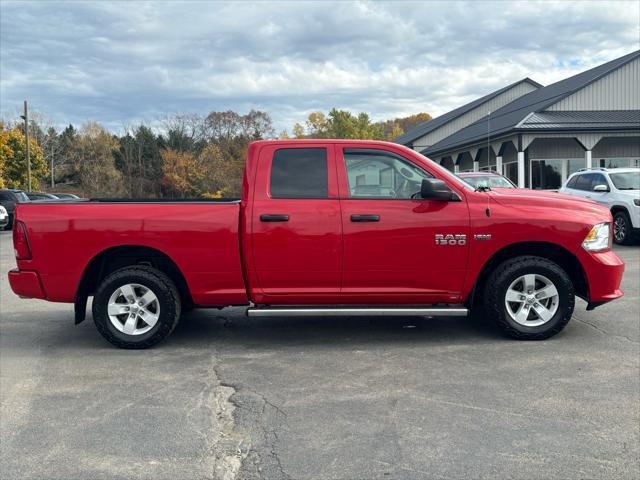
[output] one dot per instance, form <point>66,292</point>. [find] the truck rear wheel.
<point>530,298</point>
<point>136,307</point>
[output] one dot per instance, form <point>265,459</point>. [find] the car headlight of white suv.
<point>598,238</point>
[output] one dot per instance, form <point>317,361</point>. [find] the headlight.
<point>598,238</point>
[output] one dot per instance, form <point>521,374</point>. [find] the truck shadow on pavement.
<point>199,327</point>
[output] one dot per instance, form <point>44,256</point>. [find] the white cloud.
<point>119,62</point>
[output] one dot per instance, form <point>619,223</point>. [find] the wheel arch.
<point>115,258</point>
<point>619,208</point>
<point>551,251</point>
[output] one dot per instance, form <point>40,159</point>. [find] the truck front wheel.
<point>136,307</point>
<point>530,298</point>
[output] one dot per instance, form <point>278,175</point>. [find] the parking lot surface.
<point>231,397</point>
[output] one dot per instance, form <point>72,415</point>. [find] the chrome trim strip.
<point>355,312</point>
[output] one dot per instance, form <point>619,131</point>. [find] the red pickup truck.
<point>329,227</point>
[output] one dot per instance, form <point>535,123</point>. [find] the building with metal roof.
<point>537,136</point>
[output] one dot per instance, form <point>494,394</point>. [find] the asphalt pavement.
<point>326,398</point>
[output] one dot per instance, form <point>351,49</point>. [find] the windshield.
<point>488,181</point>
<point>626,180</point>
<point>21,196</point>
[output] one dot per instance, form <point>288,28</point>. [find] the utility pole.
<point>25,117</point>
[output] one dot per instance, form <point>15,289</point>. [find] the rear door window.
<point>584,182</point>
<point>572,182</point>
<point>299,173</point>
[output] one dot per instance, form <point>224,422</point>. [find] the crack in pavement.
<point>604,332</point>
<point>228,446</point>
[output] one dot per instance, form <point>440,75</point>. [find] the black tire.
<point>509,271</point>
<point>168,301</point>
<point>622,229</point>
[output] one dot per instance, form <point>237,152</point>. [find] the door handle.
<point>278,217</point>
<point>365,218</point>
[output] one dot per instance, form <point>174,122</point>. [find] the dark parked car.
<point>8,199</point>
<point>486,179</point>
<point>40,196</point>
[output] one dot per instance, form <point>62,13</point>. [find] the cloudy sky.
<point>124,62</point>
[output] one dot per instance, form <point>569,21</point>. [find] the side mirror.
<point>435,189</point>
<point>600,188</point>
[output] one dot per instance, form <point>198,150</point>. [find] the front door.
<point>296,225</point>
<point>397,248</point>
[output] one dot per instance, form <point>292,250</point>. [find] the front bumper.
<point>26,284</point>
<point>604,274</point>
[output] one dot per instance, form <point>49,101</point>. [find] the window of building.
<point>299,173</point>
<point>546,174</point>
<point>620,162</point>
<point>511,171</point>
<point>378,174</point>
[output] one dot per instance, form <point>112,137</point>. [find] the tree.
<point>339,124</point>
<point>176,167</point>
<point>298,131</point>
<point>138,157</point>
<point>209,174</point>
<point>67,168</point>
<point>93,153</point>
<point>317,125</point>
<point>185,133</point>
<point>13,160</point>
<point>395,132</point>
<point>222,175</point>
<point>396,127</point>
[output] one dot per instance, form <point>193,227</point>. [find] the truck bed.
<point>199,236</point>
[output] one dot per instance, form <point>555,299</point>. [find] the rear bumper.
<point>26,284</point>
<point>604,274</point>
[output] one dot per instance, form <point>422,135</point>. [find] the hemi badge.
<point>482,236</point>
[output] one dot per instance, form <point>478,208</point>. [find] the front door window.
<point>381,175</point>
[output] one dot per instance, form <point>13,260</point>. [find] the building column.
<point>456,168</point>
<point>476,166</point>
<point>565,172</point>
<point>499,164</point>
<point>521,170</point>
<point>587,158</point>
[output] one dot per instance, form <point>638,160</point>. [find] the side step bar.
<point>356,312</point>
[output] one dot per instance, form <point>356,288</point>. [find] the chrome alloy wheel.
<point>619,228</point>
<point>532,300</point>
<point>133,309</point>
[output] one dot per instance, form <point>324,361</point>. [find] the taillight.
<point>21,241</point>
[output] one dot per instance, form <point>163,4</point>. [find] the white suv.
<point>617,189</point>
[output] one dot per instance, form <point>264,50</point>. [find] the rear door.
<point>296,225</point>
<point>581,186</point>
<point>391,248</point>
